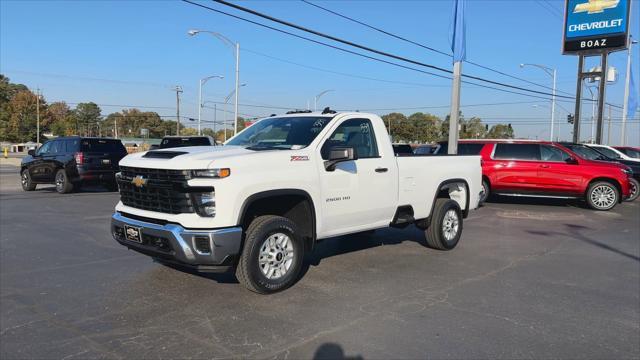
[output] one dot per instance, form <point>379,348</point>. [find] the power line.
<point>350,43</point>
<point>422,45</point>
<point>340,73</point>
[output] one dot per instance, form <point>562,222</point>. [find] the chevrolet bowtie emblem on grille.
<point>595,6</point>
<point>139,181</point>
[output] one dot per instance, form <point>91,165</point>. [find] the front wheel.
<point>26,182</point>
<point>272,256</point>
<point>634,189</point>
<point>602,195</point>
<point>446,225</point>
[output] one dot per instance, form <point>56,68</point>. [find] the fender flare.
<point>279,192</point>
<point>465,211</point>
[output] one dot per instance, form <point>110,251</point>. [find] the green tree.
<point>473,129</point>
<point>501,131</point>
<point>15,110</point>
<point>60,119</point>
<point>87,116</point>
<point>395,123</point>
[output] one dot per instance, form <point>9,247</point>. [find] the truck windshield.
<point>281,133</point>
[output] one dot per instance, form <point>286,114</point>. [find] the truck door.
<point>360,193</point>
<point>557,174</point>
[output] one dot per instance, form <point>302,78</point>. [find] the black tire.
<point>486,191</point>
<point>26,182</point>
<point>435,234</point>
<point>63,185</point>
<point>602,187</point>
<point>634,190</point>
<point>249,271</point>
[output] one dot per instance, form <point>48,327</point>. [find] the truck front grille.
<point>156,190</point>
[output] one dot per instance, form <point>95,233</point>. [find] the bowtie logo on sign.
<point>595,6</point>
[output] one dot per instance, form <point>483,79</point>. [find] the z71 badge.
<point>299,158</point>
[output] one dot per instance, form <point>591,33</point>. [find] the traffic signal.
<point>570,119</point>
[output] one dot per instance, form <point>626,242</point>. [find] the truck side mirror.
<point>31,152</point>
<point>338,154</point>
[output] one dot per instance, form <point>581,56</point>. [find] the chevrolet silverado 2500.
<point>261,201</point>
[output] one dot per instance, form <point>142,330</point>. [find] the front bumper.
<point>201,250</point>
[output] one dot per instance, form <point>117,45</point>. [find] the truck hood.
<point>184,158</point>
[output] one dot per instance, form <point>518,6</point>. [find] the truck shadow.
<point>340,245</point>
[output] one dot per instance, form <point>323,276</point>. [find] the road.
<point>532,279</point>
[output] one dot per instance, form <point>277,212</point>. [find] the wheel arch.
<point>293,204</point>
<point>444,191</point>
<point>612,181</point>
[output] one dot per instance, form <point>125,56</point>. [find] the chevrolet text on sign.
<point>593,26</point>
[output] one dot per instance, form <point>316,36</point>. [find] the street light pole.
<point>236,47</point>
<point>317,97</point>
<point>226,100</point>
<point>593,113</point>
<point>625,105</point>
<point>202,82</point>
<point>551,72</point>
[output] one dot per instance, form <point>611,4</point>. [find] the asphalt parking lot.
<point>532,279</point>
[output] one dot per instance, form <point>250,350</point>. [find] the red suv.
<point>545,169</point>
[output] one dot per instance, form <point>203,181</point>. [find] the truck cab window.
<point>357,133</point>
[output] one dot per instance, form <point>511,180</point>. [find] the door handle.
<point>544,166</point>
<point>381,170</point>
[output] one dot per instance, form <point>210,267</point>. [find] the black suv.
<point>70,161</point>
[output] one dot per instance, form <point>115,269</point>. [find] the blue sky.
<point>133,52</point>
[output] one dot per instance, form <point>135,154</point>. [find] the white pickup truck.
<point>262,201</point>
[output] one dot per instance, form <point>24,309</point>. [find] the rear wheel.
<point>446,225</point>
<point>63,185</point>
<point>602,195</point>
<point>26,182</point>
<point>485,192</point>
<point>634,187</point>
<point>272,256</point>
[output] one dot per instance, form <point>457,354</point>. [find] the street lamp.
<point>315,100</point>
<point>235,124</point>
<point>593,112</point>
<point>233,46</point>
<point>202,82</point>
<point>551,72</point>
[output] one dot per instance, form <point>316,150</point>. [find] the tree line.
<point>19,110</point>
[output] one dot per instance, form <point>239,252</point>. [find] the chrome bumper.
<point>202,250</point>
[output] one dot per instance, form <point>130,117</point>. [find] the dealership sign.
<point>594,26</point>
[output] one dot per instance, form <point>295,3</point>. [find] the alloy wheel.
<point>603,196</point>
<point>276,256</point>
<point>450,225</point>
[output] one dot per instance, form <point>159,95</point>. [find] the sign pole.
<point>601,96</point>
<point>576,116</point>
<point>455,109</point>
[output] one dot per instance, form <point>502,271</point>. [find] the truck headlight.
<point>211,173</point>
<point>205,203</point>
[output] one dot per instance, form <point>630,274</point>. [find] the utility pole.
<point>37,117</point>
<point>625,106</point>
<point>235,105</point>
<point>178,90</point>
<point>115,126</point>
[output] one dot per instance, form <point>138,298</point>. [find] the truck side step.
<point>403,217</point>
